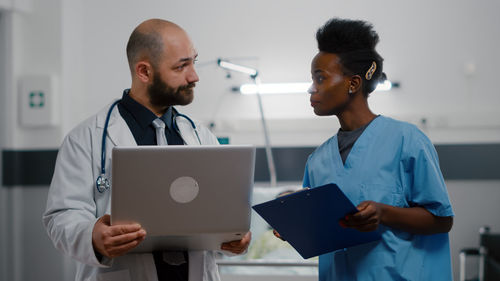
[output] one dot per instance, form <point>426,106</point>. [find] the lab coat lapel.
<point>186,131</point>
<point>118,131</point>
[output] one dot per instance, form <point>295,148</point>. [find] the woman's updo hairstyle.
<point>353,41</point>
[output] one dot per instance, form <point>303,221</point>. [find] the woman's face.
<point>330,87</point>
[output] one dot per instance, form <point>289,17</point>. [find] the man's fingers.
<point>238,246</point>
<point>126,238</point>
<point>247,238</point>
<point>124,248</point>
<point>116,230</point>
<point>233,249</point>
<point>106,219</point>
<point>243,241</point>
<point>233,244</point>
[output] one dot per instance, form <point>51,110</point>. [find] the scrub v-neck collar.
<point>360,145</point>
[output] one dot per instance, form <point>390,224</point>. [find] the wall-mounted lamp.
<point>275,88</point>
<point>386,86</point>
<point>238,68</point>
<point>295,88</point>
<point>253,73</point>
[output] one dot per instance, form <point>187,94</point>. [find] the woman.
<point>388,168</point>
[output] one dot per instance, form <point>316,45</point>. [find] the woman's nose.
<point>312,89</point>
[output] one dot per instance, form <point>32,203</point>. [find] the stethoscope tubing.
<point>104,135</point>
<point>102,182</point>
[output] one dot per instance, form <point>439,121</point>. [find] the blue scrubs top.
<point>393,163</point>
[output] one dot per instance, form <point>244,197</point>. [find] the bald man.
<point>161,58</point>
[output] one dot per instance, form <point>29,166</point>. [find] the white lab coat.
<point>74,204</point>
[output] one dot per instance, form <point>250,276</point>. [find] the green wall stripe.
<point>458,162</point>
<point>28,168</point>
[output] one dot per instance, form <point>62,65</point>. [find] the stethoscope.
<point>102,182</point>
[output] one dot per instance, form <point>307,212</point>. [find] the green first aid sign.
<point>37,99</point>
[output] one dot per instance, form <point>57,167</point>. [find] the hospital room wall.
<point>3,203</point>
<point>444,65</point>
<point>439,52</point>
<point>30,33</point>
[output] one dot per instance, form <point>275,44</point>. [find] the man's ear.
<point>144,71</point>
<point>356,83</point>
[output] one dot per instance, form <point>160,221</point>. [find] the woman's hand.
<point>278,235</point>
<point>368,217</point>
<point>416,220</point>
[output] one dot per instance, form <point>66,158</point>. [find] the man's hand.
<point>116,240</point>
<point>238,246</point>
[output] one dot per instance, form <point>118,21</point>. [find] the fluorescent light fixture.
<point>386,86</point>
<point>275,88</point>
<point>294,88</point>
<point>235,67</point>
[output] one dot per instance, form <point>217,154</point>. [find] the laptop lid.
<point>185,197</point>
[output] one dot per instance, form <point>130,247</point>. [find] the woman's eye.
<point>318,79</point>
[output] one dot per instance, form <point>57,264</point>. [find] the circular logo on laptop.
<point>184,189</point>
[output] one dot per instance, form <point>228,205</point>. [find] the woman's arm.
<point>416,220</point>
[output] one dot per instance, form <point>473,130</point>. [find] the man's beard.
<point>161,94</point>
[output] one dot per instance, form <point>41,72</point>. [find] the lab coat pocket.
<point>120,275</point>
<point>382,193</point>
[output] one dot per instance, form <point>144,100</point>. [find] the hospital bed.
<point>487,257</point>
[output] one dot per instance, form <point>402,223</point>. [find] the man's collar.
<point>143,115</point>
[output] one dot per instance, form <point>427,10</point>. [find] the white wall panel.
<point>5,36</point>
<point>440,52</point>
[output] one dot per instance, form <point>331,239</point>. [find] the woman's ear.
<point>356,83</point>
<point>144,71</point>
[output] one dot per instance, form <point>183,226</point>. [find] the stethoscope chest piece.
<point>102,183</point>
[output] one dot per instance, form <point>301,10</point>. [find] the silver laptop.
<point>185,197</point>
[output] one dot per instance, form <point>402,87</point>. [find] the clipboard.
<point>309,220</point>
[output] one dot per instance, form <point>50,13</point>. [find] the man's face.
<point>161,94</point>
<point>174,76</point>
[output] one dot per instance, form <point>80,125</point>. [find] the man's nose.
<point>192,76</point>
